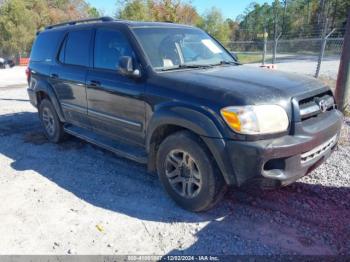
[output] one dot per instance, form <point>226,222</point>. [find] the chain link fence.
<point>311,56</point>
<point>303,55</point>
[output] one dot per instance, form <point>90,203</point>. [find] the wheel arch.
<point>44,90</point>
<point>170,120</point>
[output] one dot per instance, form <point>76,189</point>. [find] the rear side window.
<point>45,45</point>
<point>75,49</point>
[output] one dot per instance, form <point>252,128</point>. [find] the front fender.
<point>189,118</point>
<point>199,122</point>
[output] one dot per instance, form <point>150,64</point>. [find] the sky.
<point>229,8</point>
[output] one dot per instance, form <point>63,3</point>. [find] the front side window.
<point>75,51</point>
<point>173,47</point>
<point>110,46</point>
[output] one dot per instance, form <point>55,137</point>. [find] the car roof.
<point>155,24</point>
<point>110,22</point>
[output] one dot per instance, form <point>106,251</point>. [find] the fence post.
<point>265,44</point>
<point>275,43</point>
<point>342,91</point>
<point>323,47</point>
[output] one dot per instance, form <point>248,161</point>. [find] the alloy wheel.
<point>49,121</point>
<point>183,173</point>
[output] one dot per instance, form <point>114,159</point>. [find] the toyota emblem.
<point>323,106</point>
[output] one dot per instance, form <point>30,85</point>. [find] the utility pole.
<point>342,91</point>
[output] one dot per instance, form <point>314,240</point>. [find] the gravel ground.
<point>307,65</point>
<point>74,198</point>
<point>13,77</point>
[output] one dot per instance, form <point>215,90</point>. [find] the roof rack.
<point>102,19</point>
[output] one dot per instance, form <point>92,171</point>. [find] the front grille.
<point>319,150</point>
<point>312,106</point>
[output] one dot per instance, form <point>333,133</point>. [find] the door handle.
<point>55,76</point>
<point>95,83</point>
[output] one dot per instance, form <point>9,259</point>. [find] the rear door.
<point>68,75</point>
<point>115,102</point>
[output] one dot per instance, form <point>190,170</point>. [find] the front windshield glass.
<point>169,48</point>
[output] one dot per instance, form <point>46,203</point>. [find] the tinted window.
<point>62,51</point>
<point>77,48</point>
<point>45,45</point>
<point>171,47</point>
<point>110,45</point>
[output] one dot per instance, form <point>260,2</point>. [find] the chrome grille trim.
<point>316,105</point>
<point>319,150</point>
<point>313,109</point>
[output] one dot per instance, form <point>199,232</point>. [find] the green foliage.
<point>175,11</point>
<point>249,58</point>
<point>21,19</point>
<point>17,31</point>
<point>214,23</point>
<point>93,12</point>
<point>293,18</point>
<point>137,10</point>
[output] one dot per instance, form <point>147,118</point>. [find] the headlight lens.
<point>252,120</point>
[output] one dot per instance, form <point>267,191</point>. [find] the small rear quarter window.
<point>44,47</point>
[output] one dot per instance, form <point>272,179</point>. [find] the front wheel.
<point>188,173</point>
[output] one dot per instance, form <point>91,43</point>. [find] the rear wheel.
<point>52,125</point>
<point>188,173</point>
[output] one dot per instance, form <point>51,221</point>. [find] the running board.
<point>131,152</point>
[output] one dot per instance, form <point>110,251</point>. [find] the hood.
<point>241,85</point>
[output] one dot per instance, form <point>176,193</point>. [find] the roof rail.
<point>102,19</point>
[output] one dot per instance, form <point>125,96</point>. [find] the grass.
<point>249,58</point>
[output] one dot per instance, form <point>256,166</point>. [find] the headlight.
<point>252,120</point>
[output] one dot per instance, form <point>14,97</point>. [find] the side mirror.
<point>126,67</point>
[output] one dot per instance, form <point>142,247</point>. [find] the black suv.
<point>172,97</point>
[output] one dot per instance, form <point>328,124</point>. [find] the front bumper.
<point>281,161</point>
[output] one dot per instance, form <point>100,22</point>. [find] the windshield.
<point>169,48</point>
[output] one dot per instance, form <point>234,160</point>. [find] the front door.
<point>115,102</point>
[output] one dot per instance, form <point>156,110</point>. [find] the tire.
<point>49,119</point>
<point>188,172</point>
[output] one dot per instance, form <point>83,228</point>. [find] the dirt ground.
<point>74,198</point>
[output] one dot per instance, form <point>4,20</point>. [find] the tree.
<point>295,18</point>
<point>175,11</point>
<point>17,31</point>
<point>214,23</point>
<point>93,12</point>
<point>21,19</point>
<point>234,29</point>
<point>136,10</point>
<point>187,14</point>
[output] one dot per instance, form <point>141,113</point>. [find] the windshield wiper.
<point>184,66</point>
<point>224,62</point>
